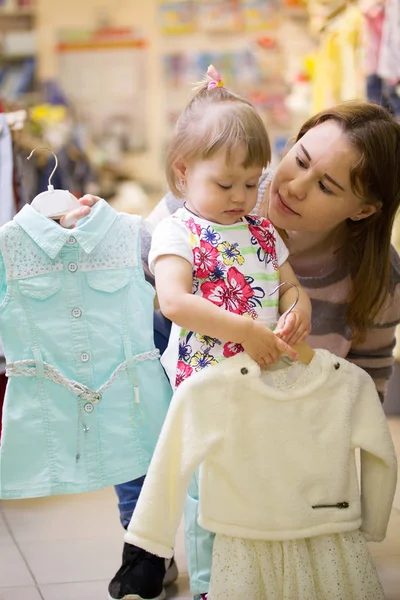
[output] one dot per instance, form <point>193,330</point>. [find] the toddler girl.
<point>216,265</point>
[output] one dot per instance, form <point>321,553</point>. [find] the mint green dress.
<point>87,395</point>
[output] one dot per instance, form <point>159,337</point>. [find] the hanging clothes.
<point>380,90</point>
<point>7,207</point>
<point>25,178</point>
<point>7,211</point>
<point>86,392</point>
<point>389,58</point>
<point>278,478</point>
<point>338,74</point>
<point>374,17</point>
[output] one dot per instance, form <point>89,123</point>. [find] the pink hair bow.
<point>215,77</point>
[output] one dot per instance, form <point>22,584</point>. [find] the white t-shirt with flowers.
<point>234,266</point>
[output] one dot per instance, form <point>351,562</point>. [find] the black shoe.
<point>142,576</point>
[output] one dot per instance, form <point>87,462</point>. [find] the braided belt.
<point>27,368</point>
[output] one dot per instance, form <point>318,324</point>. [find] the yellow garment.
<point>338,73</point>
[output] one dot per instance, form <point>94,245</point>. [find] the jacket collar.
<point>51,237</point>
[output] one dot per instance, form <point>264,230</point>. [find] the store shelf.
<point>18,47</point>
<point>16,13</point>
<point>15,57</point>
<point>296,13</point>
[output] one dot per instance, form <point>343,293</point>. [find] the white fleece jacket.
<point>275,464</point>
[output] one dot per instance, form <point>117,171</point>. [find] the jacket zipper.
<point>337,505</point>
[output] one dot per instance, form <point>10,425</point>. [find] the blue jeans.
<point>128,493</point>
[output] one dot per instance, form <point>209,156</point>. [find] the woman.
<point>335,194</point>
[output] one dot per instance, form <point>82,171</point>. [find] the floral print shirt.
<point>234,266</point>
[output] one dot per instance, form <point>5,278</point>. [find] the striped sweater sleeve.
<point>375,353</point>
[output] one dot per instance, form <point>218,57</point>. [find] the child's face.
<point>311,189</point>
<point>218,191</point>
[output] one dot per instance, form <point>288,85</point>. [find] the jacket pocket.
<point>110,280</point>
<point>41,286</point>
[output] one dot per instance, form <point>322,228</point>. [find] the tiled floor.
<point>68,548</point>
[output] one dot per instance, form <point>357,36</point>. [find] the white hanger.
<point>53,203</point>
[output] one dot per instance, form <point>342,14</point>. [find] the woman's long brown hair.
<point>375,178</point>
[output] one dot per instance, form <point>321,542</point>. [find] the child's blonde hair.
<point>213,119</point>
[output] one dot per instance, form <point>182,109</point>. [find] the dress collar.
<point>51,237</point>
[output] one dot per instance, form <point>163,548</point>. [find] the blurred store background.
<point>103,82</point>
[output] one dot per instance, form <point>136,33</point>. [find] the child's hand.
<point>70,219</point>
<point>294,327</point>
<point>264,346</point>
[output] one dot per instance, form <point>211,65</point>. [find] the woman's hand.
<point>70,219</point>
<point>264,346</point>
<point>294,327</point>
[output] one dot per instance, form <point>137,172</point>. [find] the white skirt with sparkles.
<point>326,567</point>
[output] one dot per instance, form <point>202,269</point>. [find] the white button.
<point>71,240</point>
<point>85,357</point>
<point>76,312</point>
<point>72,267</point>
<point>88,407</point>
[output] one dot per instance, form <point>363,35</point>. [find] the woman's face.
<point>311,188</point>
